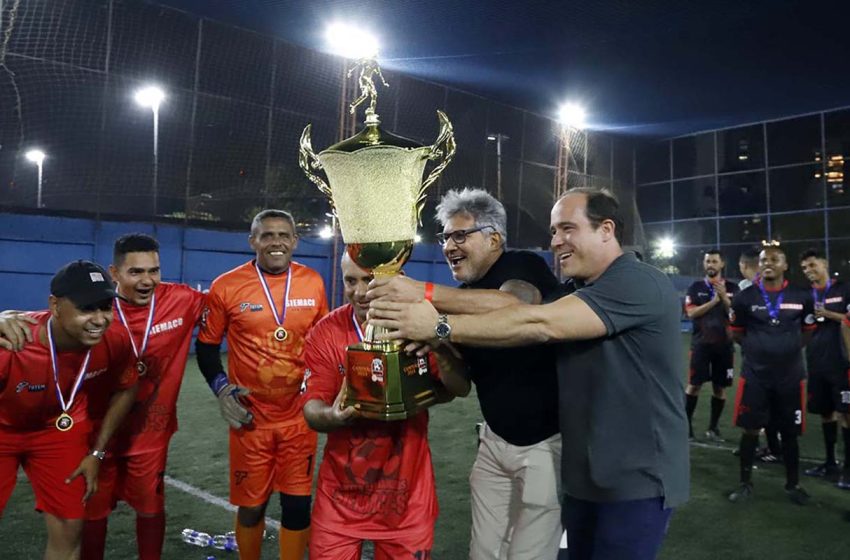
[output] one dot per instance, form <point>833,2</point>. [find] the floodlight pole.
<point>40,165</point>
<point>498,139</point>
<point>155,108</point>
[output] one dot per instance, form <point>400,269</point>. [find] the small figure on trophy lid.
<point>368,70</point>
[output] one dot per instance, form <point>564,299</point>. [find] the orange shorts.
<point>331,545</point>
<point>139,480</point>
<point>263,461</point>
<point>48,457</point>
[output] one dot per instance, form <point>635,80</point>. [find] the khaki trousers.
<point>516,513</point>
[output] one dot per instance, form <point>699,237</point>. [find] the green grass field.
<point>708,527</point>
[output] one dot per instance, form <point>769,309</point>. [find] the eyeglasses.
<point>459,236</point>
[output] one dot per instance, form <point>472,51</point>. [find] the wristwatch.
<point>443,329</point>
<point>99,454</point>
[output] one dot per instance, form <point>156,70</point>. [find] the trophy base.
<point>388,385</point>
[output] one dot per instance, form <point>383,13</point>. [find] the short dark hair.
<point>812,253</point>
<point>601,205</point>
<point>272,213</point>
<point>750,257</point>
<point>715,252</point>
<point>133,243</point>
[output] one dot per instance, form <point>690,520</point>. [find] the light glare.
<point>351,42</point>
<point>326,232</point>
<point>35,156</point>
<point>572,114</point>
<point>150,96</point>
<point>666,247</point>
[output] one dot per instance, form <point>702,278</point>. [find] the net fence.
<point>227,138</point>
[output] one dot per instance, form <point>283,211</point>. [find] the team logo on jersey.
<point>167,325</point>
<point>838,299</point>
<point>377,370</point>
<point>239,476</point>
<point>731,315</point>
<point>794,306</point>
<point>204,314</point>
<point>754,308</point>
<point>301,302</point>
<point>95,373</point>
<point>810,319</point>
<point>422,364</point>
<point>20,387</point>
<point>248,306</point>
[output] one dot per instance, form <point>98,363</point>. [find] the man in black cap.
<point>62,396</point>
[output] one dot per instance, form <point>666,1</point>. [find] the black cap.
<point>83,282</point>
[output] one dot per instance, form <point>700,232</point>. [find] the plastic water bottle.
<point>225,542</point>
<point>196,538</point>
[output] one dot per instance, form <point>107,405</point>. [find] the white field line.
<point>211,499</point>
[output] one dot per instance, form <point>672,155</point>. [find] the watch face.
<point>443,330</point>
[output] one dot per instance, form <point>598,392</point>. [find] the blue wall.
<point>32,248</point>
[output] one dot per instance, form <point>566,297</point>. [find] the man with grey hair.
<point>514,480</point>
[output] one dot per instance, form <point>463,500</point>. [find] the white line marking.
<point>211,499</point>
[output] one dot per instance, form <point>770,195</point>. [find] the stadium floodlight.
<point>417,238</point>
<point>326,232</point>
<point>351,41</point>
<point>37,157</point>
<point>152,96</point>
<point>665,247</point>
<point>572,115</point>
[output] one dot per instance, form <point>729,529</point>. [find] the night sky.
<point>641,67</point>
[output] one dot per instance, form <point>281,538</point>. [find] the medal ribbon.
<point>710,287</point>
<point>137,351</point>
<point>825,290</point>
<point>356,326</point>
<point>277,319</point>
<point>772,310</point>
<point>53,362</point>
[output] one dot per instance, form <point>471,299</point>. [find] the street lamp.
<point>37,157</point>
<point>498,138</point>
<point>152,96</point>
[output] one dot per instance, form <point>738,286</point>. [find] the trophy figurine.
<point>374,183</point>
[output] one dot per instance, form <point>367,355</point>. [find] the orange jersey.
<point>28,399</point>
<point>153,419</point>
<point>273,370</point>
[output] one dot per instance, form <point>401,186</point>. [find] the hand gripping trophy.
<point>374,183</point>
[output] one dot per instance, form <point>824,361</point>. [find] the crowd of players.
<point>105,362</point>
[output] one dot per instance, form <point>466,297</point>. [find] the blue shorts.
<point>628,530</point>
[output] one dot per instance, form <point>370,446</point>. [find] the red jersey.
<point>28,399</point>
<point>374,475</point>
<point>273,370</point>
<point>153,418</point>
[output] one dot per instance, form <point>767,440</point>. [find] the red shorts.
<point>263,461</point>
<point>48,457</point>
<point>331,545</point>
<point>138,480</point>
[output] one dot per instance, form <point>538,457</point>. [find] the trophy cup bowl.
<point>374,183</point>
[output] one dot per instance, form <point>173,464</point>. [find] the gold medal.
<point>64,422</point>
<point>141,368</point>
<point>280,334</point>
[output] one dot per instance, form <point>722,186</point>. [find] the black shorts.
<point>829,392</point>
<point>712,362</point>
<point>782,405</point>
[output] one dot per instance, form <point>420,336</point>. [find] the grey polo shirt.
<point>622,414</point>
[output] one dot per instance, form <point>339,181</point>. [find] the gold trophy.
<point>375,186</point>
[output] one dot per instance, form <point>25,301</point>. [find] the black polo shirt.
<point>709,328</point>
<point>517,387</point>
<point>623,424</point>
<point>825,352</point>
<point>773,352</point>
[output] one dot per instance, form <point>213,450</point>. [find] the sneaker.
<point>824,470</point>
<point>798,495</point>
<point>713,434</point>
<point>770,458</point>
<point>844,481</point>
<point>741,494</point>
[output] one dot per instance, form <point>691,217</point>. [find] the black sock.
<point>791,457</point>
<point>716,410</point>
<point>690,406</point>
<point>845,435</point>
<point>748,454</point>
<point>830,436</point>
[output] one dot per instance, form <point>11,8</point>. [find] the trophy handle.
<point>446,138</point>
<point>308,161</point>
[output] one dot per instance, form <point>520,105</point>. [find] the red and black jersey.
<point>709,328</point>
<point>772,322</point>
<point>824,353</point>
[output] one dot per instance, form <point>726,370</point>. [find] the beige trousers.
<point>515,491</point>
